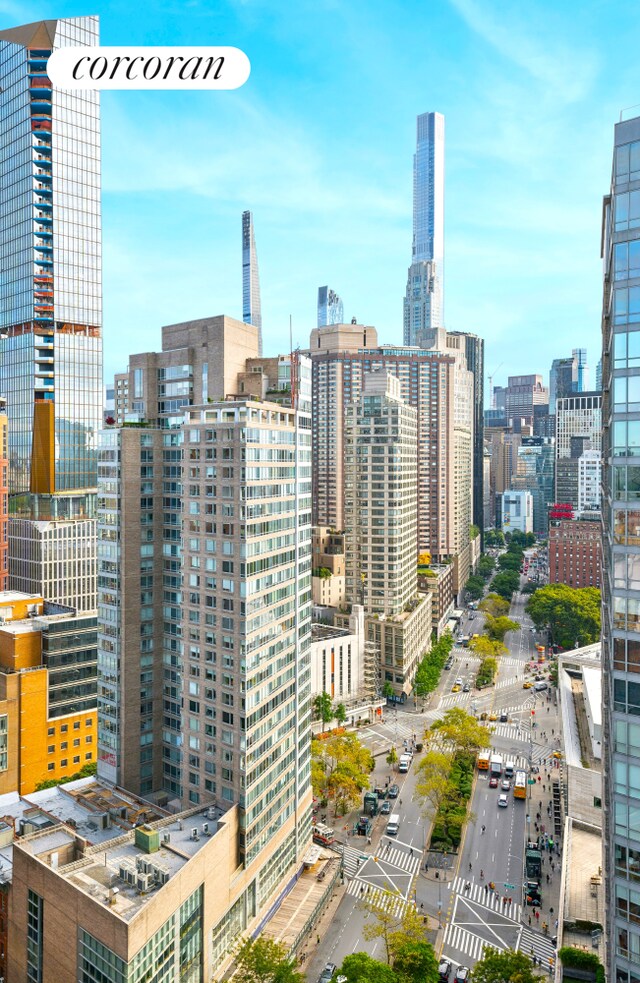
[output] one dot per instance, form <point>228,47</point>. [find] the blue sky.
<point>319,145</point>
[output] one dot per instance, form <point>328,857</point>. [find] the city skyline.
<point>345,178</point>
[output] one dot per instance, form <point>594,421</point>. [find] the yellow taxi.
<point>456,688</point>
<point>556,754</point>
<point>527,685</point>
<point>493,716</point>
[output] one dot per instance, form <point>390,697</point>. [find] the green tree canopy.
<point>262,960</point>
<point>497,628</point>
<point>572,614</point>
<point>414,961</point>
<point>322,707</point>
<point>506,583</point>
<point>475,587</point>
<point>487,647</point>
<point>362,968</point>
<point>340,713</point>
<point>397,925</point>
<point>486,566</point>
<point>494,605</point>
<point>493,537</point>
<point>510,561</point>
<point>507,966</point>
<point>463,730</point>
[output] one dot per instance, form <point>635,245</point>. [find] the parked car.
<point>393,792</point>
<point>385,808</point>
<point>503,801</point>
<point>444,969</point>
<point>327,973</point>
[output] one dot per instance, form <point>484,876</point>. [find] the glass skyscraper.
<point>251,306</point>
<point>621,556</point>
<point>330,307</point>
<point>50,311</point>
<point>424,302</point>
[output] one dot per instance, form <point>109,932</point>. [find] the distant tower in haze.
<point>424,302</point>
<point>330,307</point>
<point>251,308</point>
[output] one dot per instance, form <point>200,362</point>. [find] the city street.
<point>453,891</point>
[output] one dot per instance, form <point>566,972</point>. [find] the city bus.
<point>483,760</point>
<point>520,785</point>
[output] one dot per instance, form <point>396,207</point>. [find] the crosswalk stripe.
<point>542,946</point>
<point>463,941</point>
<point>487,898</point>
<point>377,897</point>
<point>395,856</point>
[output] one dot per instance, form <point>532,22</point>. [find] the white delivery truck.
<point>405,761</point>
<point>393,825</point>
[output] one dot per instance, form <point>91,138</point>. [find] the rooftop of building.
<point>584,890</point>
<point>95,811</point>
<point>126,871</point>
<point>322,633</point>
<point>592,678</point>
<point>12,596</point>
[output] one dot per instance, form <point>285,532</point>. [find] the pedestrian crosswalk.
<point>376,896</point>
<point>533,944</point>
<point>511,731</point>
<point>354,859</point>
<point>399,858</point>
<point>487,898</point>
<point>461,940</point>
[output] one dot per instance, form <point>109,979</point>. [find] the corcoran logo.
<point>148,68</point>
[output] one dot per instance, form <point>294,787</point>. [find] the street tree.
<point>463,730</point>
<point>359,967</point>
<point>497,628</point>
<point>505,583</point>
<point>493,537</point>
<point>486,566</point>
<point>414,961</point>
<point>507,966</point>
<point>571,614</point>
<point>433,784</point>
<point>395,924</point>
<point>510,561</point>
<point>323,708</point>
<point>387,689</point>
<point>345,786</point>
<point>474,587</point>
<point>340,714</point>
<point>487,648</point>
<point>494,605</point>
<point>392,757</point>
<point>263,960</point>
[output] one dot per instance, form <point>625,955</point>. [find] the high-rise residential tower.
<point>424,296</point>
<point>582,369</point>
<point>621,555</point>
<point>4,477</point>
<point>251,306</point>
<point>330,307</point>
<point>50,312</point>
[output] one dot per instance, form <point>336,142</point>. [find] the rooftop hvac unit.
<point>194,833</point>
<point>211,813</point>
<point>144,865</point>
<point>163,876</point>
<point>166,837</point>
<point>144,882</point>
<point>205,829</point>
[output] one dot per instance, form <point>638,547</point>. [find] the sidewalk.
<point>540,803</point>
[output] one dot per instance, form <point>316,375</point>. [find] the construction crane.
<point>492,375</point>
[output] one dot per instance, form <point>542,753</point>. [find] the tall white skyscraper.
<point>424,300</point>
<point>251,306</point>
